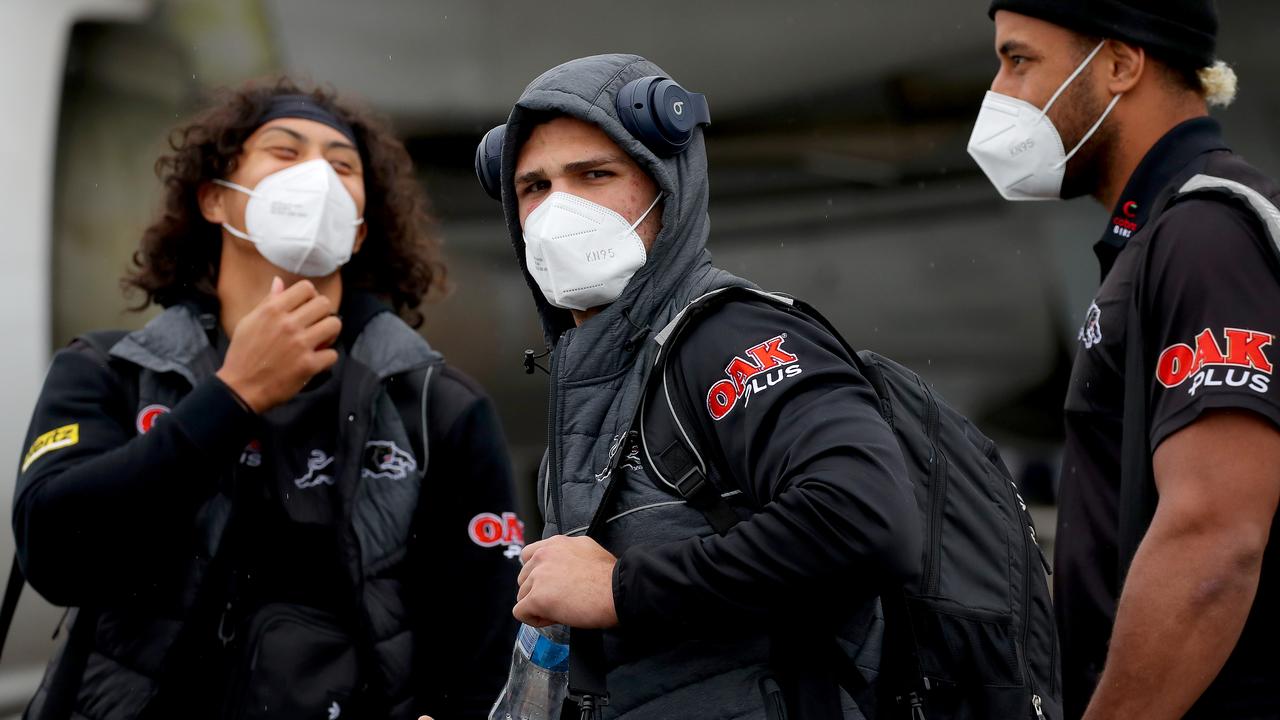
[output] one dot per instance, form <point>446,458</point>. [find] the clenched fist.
<point>566,580</point>
<point>280,345</point>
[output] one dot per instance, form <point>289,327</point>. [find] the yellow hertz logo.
<point>62,437</point>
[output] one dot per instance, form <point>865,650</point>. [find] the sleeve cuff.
<point>1161,430</point>
<point>214,418</point>
<point>619,593</point>
<point>634,599</point>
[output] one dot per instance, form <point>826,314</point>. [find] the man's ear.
<point>362,231</point>
<point>1124,66</point>
<point>209,197</point>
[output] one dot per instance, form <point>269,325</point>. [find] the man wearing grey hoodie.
<point>607,213</point>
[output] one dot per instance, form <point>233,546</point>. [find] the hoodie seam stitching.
<point>612,80</point>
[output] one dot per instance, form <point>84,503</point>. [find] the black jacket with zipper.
<point>124,496</point>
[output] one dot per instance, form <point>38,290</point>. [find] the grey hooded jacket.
<point>598,372</point>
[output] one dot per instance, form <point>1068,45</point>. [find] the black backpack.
<point>974,636</point>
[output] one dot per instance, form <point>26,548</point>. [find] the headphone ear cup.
<point>653,110</point>
<point>632,104</point>
<point>489,161</point>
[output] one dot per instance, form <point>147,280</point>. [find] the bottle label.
<point>542,651</point>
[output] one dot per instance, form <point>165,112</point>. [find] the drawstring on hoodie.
<point>637,337</point>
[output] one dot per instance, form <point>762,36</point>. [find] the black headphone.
<point>654,109</point>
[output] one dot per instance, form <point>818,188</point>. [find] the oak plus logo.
<point>1239,361</point>
<point>489,530</point>
<point>763,366</point>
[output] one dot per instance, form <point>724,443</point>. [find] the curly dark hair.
<point>400,259</point>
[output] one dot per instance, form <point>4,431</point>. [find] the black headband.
<point>306,108</point>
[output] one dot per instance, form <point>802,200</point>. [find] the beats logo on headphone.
<point>655,110</point>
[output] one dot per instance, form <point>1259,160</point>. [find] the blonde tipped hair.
<point>1218,84</point>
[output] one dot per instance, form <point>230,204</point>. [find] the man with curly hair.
<point>275,500</point>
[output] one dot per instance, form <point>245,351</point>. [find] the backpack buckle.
<point>691,483</point>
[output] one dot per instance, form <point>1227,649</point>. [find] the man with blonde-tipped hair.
<point>1166,577</point>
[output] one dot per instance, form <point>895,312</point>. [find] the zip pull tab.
<point>591,707</point>
<point>1044,559</point>
<point>917,707</point>
<point>1035,703</point>
<point>224,634</point>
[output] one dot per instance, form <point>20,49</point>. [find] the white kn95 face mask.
<point>1017,146</point>
<point>301,218</point>
<point>582,254</point>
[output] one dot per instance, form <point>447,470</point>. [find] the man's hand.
<point>280,345</point>
<point>568,581</point>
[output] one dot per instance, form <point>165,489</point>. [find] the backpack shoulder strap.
<point>665,426</point>
<point>12,592</point>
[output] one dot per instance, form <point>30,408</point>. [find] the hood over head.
<point>585,89</point>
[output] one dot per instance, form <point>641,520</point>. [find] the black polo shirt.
<point>1210,305</point>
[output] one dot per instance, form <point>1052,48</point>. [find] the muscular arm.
<point>1193,580</point>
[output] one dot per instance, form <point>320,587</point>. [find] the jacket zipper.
<point>1024,519</point>
<point>553,466</point>
<point>937,494</point>
<point>1053,644</point>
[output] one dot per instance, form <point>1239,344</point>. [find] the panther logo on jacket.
<point>1091,331</point>
<point>758,369</point>
<point>385,460</point>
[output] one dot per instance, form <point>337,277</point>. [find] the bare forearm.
<point>1184,604</point>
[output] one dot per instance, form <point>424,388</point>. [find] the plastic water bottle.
<point>539,677</point>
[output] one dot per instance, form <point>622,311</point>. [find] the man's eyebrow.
<point>341,145</point>
<point>296,135</point>
<point>1010,47</point>
<point>331,145</point>
<point>584,165</point>
<point>531,176</point>
<point>576,166</point>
